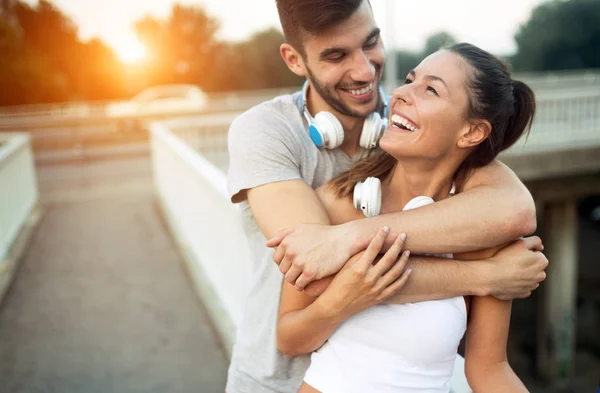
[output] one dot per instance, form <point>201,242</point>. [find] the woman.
<point>456,111</point>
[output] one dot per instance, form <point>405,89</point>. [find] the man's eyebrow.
<point>376,31</point>
<point>429,77</point>
<point>334,50</point>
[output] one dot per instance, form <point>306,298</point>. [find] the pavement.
<point>102,302</point>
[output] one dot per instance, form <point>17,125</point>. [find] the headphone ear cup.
<point>417,202</point>
<point>367,197</point>
<point>372,131</point>
<point>374,196</point>
<point>329,128</point>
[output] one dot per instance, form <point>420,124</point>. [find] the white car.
<point>163,100</point>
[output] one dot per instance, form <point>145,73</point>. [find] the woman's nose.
<point>402,93</point>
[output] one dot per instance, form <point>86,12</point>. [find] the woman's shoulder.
<point>339,210</point>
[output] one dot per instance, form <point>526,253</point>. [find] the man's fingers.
<point>533,243</point>
<point>305,278</point>
<point>279,255</point>
<point>285,265</point>
<point>397,285</point>
<point>276,240</point>
<point>375,247</point>
<point>292,274</point>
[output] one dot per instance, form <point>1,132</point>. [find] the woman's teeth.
<point>401,122</point>
<point>362,91</point>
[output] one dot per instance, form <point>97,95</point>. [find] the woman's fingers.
<point>390,257</point>
<point>374,248</point>
<point>397,285</point>
<point>395,272</point>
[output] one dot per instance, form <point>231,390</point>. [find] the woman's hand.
<point>368,281</point>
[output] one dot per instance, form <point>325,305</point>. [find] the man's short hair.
<point>300,18</point>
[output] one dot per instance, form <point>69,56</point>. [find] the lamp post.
<point>391,72</point>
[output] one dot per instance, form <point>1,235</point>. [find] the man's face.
<point>345,62</point>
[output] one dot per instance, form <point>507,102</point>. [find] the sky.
<point>405,25</point>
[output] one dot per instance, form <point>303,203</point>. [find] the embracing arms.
<point>494,208</point>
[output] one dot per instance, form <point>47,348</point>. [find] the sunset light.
<point>131,51</point>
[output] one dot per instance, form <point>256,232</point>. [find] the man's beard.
<point>328,94</point>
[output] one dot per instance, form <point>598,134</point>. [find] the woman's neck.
<point>413,178</point>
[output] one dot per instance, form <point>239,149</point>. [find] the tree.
<point>437,41</point>
<point>560,35</point>
<point>254,64</point>
<point>182,47</point>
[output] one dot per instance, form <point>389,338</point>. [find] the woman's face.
<point>428,113</point>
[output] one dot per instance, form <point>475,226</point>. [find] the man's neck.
<point>352,125</point>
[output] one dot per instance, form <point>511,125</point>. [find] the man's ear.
<point>476,133</point>
<point>292,59</point>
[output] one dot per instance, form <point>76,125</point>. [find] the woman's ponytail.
<point>521,119</point>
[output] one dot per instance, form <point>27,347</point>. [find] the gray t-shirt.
<point>270,143</point>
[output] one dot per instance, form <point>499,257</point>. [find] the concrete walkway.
<point>101,302</point>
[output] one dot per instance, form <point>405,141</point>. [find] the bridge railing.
<point>193,198</point>
<point>18,201</point>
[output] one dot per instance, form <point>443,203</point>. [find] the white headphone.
<point>326,131</point>
<point>367,197</point>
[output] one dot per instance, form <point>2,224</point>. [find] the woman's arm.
<point>486,363</point>
<point>304,323</point>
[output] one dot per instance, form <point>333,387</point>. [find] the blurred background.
<point>122,264</point>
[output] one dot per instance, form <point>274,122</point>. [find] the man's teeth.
<point>362,91</point>
<point>399,121</point>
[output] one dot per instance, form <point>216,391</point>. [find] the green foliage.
<point>436,42</point>
<point>186,51</point>
<point>560,35</point>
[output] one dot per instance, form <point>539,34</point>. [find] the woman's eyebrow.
<point>429,78</point>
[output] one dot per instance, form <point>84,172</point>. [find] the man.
<point>275,166</point>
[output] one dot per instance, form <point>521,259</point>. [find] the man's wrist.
<point>485,277</point>
<point>358,240</point>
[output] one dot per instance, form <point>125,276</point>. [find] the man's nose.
<point>363,69</point>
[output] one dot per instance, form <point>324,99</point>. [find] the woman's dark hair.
<point>299,17</point>
<point>508,105</point>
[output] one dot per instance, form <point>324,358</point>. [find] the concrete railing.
<point>18,202</point>
<point>205,224</point>
<point>193,197</point>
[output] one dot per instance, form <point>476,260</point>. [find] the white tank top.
<point>392,348</point>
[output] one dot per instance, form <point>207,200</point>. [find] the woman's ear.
<point>292,59</point>
<point>476,133</point>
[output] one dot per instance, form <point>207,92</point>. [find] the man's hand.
<point>311,251</point>
<point>367,281</point>
<point>518,269</point>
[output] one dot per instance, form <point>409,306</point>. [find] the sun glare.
<point>131,51</point>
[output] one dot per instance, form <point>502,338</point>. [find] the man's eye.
<point>372,44</point>
<point>336,58</point>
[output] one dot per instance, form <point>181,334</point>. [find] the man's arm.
<point>288,203</point>
<point>513,272</point>
<point>494,208</point>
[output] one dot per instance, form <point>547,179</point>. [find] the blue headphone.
<point>326,131</point>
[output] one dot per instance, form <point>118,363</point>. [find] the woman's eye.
<point>431,89</point>
<point>407,81</point>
